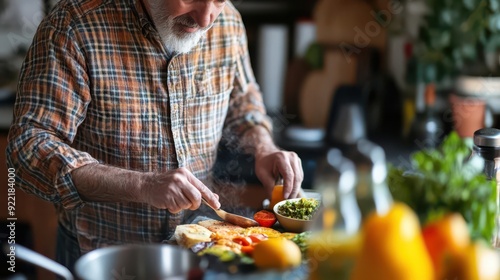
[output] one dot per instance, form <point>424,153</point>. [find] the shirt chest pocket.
<point>205,120</point>
<point>214,80</point>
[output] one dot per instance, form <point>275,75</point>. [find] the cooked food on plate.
<point>224,240</point>
<point>222,230</point>
<point>191,234</point>
<point>269,232</point>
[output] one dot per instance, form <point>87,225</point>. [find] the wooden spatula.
<point>233,218</point>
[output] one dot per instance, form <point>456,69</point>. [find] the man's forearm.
<point>101,183</point>
<point>174,190</point>
<point>258,140</point>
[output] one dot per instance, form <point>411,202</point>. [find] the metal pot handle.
<point>40,260</point>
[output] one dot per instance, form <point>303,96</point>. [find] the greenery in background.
<point>443,180</point>
<point>456,36</point>
<point>314,56</point>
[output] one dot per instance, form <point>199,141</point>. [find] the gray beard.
<point>174,40</point>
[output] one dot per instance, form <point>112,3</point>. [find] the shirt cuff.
<point>69,197</point>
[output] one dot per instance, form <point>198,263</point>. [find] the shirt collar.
<point>146,23</point>
<point>143,19</point>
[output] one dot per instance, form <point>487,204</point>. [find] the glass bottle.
<point>427,128</point>
<point>349,135</point>
<point>335,239</point>
<point>277,194</point>
<point>372,191</point>
<point>487,146</point>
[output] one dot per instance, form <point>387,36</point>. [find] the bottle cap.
<point>487,137</point>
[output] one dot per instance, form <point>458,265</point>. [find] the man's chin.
<point>184,49</point>
<point>182,45</point>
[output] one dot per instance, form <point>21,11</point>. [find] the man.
<point>121,105</point>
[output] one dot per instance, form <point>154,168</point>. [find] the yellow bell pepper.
<point>477,262</point>
<point>393,248</point>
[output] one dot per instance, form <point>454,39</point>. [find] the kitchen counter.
<point>298,273</point>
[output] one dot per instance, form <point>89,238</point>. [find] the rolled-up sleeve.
<point>51,103</point>
<point>246,104</point>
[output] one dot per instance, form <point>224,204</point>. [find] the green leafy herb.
<point>447,179</point>
<point>301,240</point>
<point>223,254</point>
<point>302,209</point>
<point>244,259</point>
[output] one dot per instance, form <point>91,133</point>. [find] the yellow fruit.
<point>393,248</point>
<point>478,262</point>
<point>277,253</point>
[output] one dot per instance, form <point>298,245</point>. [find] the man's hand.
<point>270,162</point>
<point>268,165</point>
<point>175,190</point>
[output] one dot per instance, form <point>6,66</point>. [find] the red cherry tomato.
<point>247,249</point>
<point>257,237</point>
<point>243,240</point>
<point>265,218</point>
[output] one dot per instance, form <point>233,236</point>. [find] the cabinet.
<point>37,214</point>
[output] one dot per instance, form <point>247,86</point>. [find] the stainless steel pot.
<point>138,262</point>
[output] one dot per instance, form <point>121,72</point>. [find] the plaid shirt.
<point>98,85</point>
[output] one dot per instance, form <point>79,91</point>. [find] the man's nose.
<point>203,14</point>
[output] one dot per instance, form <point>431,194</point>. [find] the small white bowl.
<point>291,224</point>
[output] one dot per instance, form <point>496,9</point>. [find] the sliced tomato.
<point>265,218</point>
<point>247,249</point>
<point>257,237</point>
<point>243,240</point>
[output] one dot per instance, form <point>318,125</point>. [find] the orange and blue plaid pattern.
<point>97,85</point>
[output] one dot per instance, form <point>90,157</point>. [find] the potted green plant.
<point>445,179</point>
<point>458,49</point>
<point>459,38</point>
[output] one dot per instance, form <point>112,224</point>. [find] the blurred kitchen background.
<point>332,72</point>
